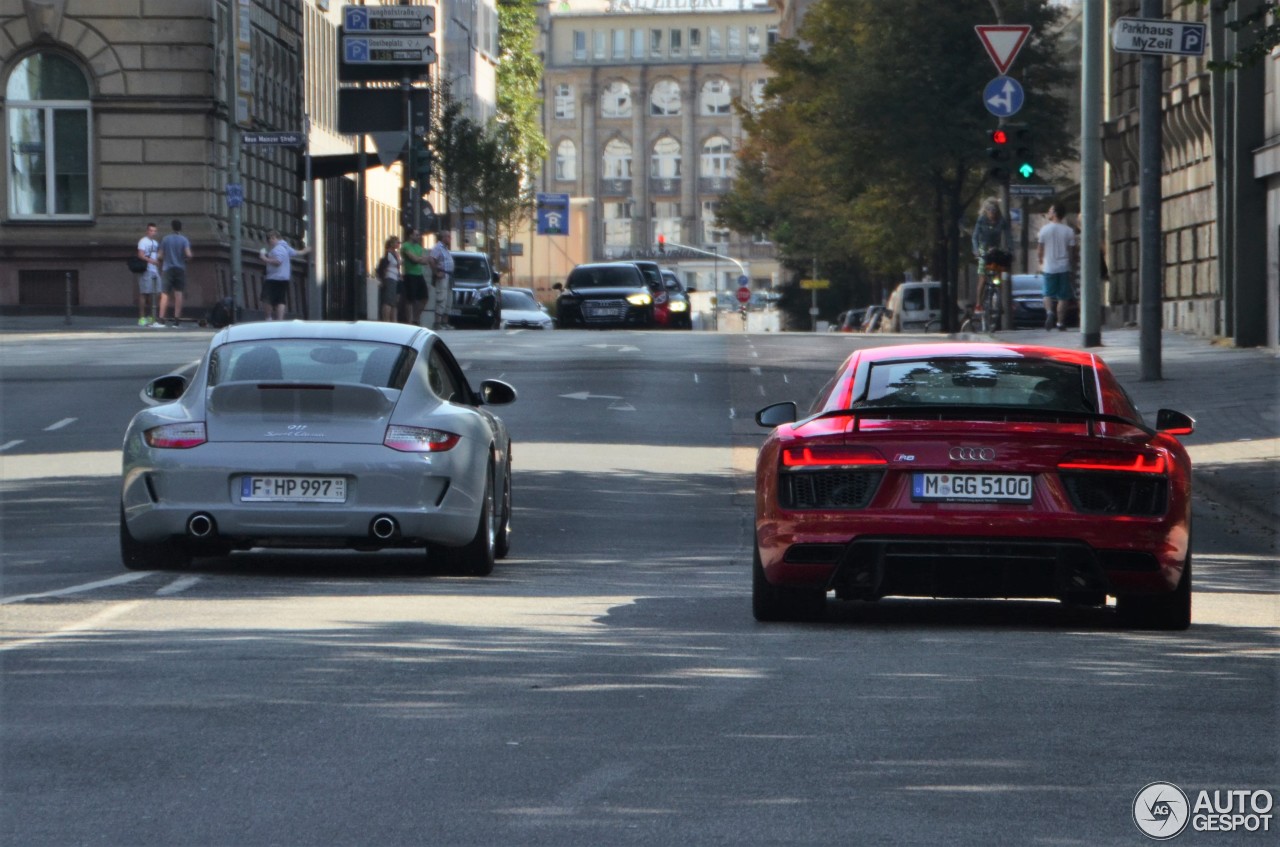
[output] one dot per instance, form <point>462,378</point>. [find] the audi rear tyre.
<point>1169,612</point>
<point>775,603</point>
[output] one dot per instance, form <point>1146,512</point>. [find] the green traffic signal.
<point>1026,170</point>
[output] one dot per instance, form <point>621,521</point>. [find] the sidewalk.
<point>1233,394</point>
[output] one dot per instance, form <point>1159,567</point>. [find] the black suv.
<point>475,293</point>
<point>604,294</point>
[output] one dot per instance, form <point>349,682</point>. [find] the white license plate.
<point>982,487</point>
<point>293,489</point>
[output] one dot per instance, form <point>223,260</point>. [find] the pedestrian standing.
<point>413,287</point>
<point>388,273</point>
<point>175,252</point>
<point>278,255</point>
<point>442,272</point>
<point>149,279</point>
<point>1057,252</point>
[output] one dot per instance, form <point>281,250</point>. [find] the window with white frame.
<point>637,44</point>
<point>617,159</point>
<point>579,46</point>
<point>757,93</point>
<point>597,44</point>
<point>665,163</point>
<point>711,233</point>
<point>717,157</point>
<point>716,99</point>
<point>617,224</point>
<point>664,99</point>
<point>713,42</point>
<point>566,160</point>
<point>615,100</point>
<point>619,39</point>
<point>735,40</point>
<point>47,117</point>
<point>655,43</point>
<point>665,216</point>
<point>771,36</point>
<point>753,41</point>
<point>675,41</point>
<point>565,106</point>
<point>695,42</point>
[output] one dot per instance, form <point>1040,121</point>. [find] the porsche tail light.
<point>1114,461</point>
<point>418,439</point>
<point>176,436</point>
<point>833,456</point>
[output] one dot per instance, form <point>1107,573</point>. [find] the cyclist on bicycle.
<point>991,238</point>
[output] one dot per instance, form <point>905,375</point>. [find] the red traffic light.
<point>662,244</point>
<point>999,136</point>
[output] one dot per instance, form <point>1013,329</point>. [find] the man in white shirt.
<point>275,288</point>
<point>149,279</point>
<point>441,261</point>
<point>1057,252</point>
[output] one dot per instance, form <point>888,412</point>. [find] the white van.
<point>915,305</point>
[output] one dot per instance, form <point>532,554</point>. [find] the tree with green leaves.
<point>1259,28</point>
<point>870,147</point>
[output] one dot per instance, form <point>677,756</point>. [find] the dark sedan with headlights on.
<point>605,294</point>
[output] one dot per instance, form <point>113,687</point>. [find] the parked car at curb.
<point>976,470</point>
<point>474,292</point>
<point>605,294</point>
<point>1028,303</point>
<point>363,435</point>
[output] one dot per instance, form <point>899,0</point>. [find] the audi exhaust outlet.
<point>200,525</point>
<point>384,527</point>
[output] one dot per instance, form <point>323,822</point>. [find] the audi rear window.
<point>1039,384</point>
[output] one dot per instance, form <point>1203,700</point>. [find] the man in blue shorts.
<point>1057,252</point>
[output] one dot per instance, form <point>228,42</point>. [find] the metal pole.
<point>309,199</point>
<point>1094,20</point>
<point>356,285</point>
<point>67,321</point>
<point>233,165</point>
<point>1150,155</point>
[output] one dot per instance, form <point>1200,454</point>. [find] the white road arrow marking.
<point>622,348</point>
<point>586,395</point>
<point>60,424</point>
<point>621,407</point>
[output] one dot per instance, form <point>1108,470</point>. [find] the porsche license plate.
<point>293,489</point>
<point>982,487</point>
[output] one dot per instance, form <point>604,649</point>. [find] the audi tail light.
<point>417,439</point>
<point>832,456</point>
<point>1149,462</point>
<point>176,436</point>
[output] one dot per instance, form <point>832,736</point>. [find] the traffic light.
<point>422,164</point>
<point>998,153</point>
<point>662,244</point>
<point>1024,158</point>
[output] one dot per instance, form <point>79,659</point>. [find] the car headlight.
<point>640,299</point>
<point>679,306</point>
<point>418,439</point>
<point>176,436</point>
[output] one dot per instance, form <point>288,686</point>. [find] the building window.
<point>712,234</point>
<point>666,220</point>
<point>47,113</point>
<point>664,100</point>
<point>757,94</point>
<point>617,224</point>
<point>617,159</point>
<point>713,42</point>
<point>717,157</point>
<point>566,160</point>
<point>619,38</point>
<point>579,46</point>
<point>753,41</point>
<point>716,99</point>
<point>735,41</point>
<point>615,102</point>
<point>637,44</point>
<point>675,42</point>
<point>695,42</point>
<point>665,163</point>
<point>771,36</point>
<point>597,43</point>
<point>565,106</point>
<point>655,43</point>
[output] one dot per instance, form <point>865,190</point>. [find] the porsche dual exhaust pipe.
<point>200,525</point>
<point>383,527</point>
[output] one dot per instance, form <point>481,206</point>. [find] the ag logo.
<point>1161,810</point>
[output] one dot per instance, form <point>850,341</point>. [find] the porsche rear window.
<point>979,382</point>
<point>311,360</point>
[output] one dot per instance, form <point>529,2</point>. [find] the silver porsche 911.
<point>319,434</point>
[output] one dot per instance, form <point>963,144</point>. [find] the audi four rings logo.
<point>972,454</point>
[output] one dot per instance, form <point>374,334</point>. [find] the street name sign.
<point>1003,42</point>
<point>281,139</point>
<point>1159,37</point>
<point>1032,191</point>
<point>388,50</point>
<point>389,20</point>
<point>1003,96</point>
<point>815,284</point>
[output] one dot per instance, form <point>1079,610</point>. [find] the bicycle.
<point>992,304</point>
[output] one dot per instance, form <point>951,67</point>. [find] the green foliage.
<point>871,144</point>
<point>1259,30</point>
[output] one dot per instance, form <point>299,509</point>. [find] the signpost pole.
<point>1094,20</point>
<point>1150,140</point>
<point>236,264</point>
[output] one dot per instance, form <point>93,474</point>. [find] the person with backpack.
<point>147,267</point>
<point>388,274</point>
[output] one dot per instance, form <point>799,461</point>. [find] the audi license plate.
<point>980,487</point>
<point>293,489</point>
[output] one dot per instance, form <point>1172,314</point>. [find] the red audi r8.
<point>973,471</point>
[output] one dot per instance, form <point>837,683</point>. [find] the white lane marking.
<point>75,589</point>
<point>71,629</point>
<point>754,371</point>
<point>178,585</point>
<point>732,413</point>
<point>621,407</point>
<point>695,379</point>
<point>784,379</point>
<point>587,395</point>
<point>761,387</point>
<point>60,424</point>
<point>9,444</point>
<point>754,354</point>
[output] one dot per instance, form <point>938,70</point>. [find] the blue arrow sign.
<point>1003,96</point>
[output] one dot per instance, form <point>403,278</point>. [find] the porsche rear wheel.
<point>502,544</point>
<point>141,556</point>
<point>775,603</point>
<point>1169,612</point>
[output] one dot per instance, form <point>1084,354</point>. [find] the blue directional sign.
<point>355,18</point>
<point>553,214</point>
<point>235,195</point>
<point>1003,96</point>
<point>355,50</point>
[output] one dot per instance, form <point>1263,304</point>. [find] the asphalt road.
<point>607,684</point>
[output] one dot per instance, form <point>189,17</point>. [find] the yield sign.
<point>1003,42</point>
